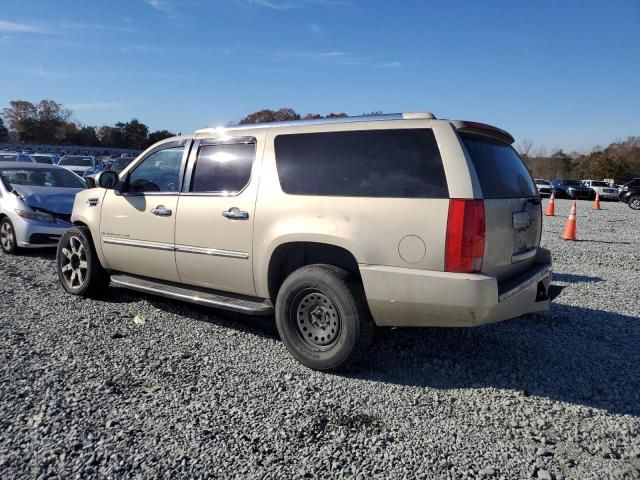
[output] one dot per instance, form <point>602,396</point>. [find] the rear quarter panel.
<point>370,228</point>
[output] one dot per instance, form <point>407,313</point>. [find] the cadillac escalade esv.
<point>335,226</point>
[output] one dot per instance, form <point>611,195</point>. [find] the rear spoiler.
<point>483,129</point>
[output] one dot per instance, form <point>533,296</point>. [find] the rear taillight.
<point>625,189</point>
<point>465,236</point>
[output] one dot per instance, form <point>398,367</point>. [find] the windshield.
<point>41,177</point>
<point>542,182</point>
<point>572,183</point>
<point>8,157</point>
<point>501,172</point>
<point>43,159</point>
<point>77,161</point>
<point>599,184</point>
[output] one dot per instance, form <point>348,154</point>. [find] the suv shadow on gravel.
<point>577,355</point>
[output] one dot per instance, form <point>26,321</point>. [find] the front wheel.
<point>322,317</point>
<point>634,202</point>
<point>79,269</point>
<point>8,240</point>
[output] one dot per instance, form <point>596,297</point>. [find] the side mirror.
<point>107,179</point>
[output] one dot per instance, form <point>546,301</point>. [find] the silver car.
<point>35,204</point>
<point>79,164</point>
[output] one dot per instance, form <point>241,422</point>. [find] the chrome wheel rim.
<point>635,203</point>
<point>73,265</point>
<point>315,319</point>
<point>6,236</point>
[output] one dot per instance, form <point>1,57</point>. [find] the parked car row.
<point>82,165</point>
<point>588,189</point>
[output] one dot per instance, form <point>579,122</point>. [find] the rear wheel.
<point>322,317</point>
<point>8,237</point>
<point>634,202</point>
<point>78,266</point>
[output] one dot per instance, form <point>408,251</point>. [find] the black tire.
<point>634,202</point>
<point>323,318</point>
<point>79,269</point>
<point>8,240</point>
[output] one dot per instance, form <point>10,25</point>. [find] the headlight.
<point>35,215</point>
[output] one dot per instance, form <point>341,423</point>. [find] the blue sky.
<point>560,73</point>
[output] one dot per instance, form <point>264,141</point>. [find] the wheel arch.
<point>290,256</point>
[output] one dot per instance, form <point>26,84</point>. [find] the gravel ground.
<point>188,392</point>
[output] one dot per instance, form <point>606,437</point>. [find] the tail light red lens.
<point>465,236</point>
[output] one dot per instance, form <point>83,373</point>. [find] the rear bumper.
<point>418,298</point>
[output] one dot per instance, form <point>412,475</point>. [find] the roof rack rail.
<point>321,121</point>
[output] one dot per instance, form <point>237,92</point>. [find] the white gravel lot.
<point>193,393</point>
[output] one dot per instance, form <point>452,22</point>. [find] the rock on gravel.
<point>195,393</point>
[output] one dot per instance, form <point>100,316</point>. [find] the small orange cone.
<point>570,228</point>
<point>551,208</point>
<point>596,202</point>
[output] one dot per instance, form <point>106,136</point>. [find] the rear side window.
<point>372,163</point>
<point>224,168</point>
<point>501,172</point>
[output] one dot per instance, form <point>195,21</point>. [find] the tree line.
<point>619,161</point>
<point>50,123</point>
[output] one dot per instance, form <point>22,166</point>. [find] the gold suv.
<point>335,226</point>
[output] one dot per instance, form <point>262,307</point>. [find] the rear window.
<point>77,162</point>
<point>599,184</point>
<point>500,170</point>
<point>372,163</point>
<point>42,159</point>
<point>8,157</point>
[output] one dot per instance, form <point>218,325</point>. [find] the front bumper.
<point>34,234</point>
<point>418,298</point>
<point>581,195</point>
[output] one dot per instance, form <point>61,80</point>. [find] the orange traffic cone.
<point>551,209</point>
<point>570,228</point>
<point>596,202</point>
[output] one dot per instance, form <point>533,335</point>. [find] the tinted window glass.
<point>372,163</point>
<point>159,172</point>
<point>501,172</point>
<point>223,168</point>
<point>77,161</point>
<point>42,159</point>
<point>8,157</point>
<point>41,177</point>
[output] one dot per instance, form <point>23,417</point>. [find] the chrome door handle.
<point>235,214</point>
<point>161,211</point>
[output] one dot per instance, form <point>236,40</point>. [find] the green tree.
<point>267,116</point>
<point>158,135</point>
<point>41,123</point>
<point>84,136</point>
<point>4,131</point>
<point>135,133</point>
<point>111,137</point>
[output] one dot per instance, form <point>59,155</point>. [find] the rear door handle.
<point>161,211</point>
<point>235,214</point>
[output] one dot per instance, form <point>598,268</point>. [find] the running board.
<point>197,295</point>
